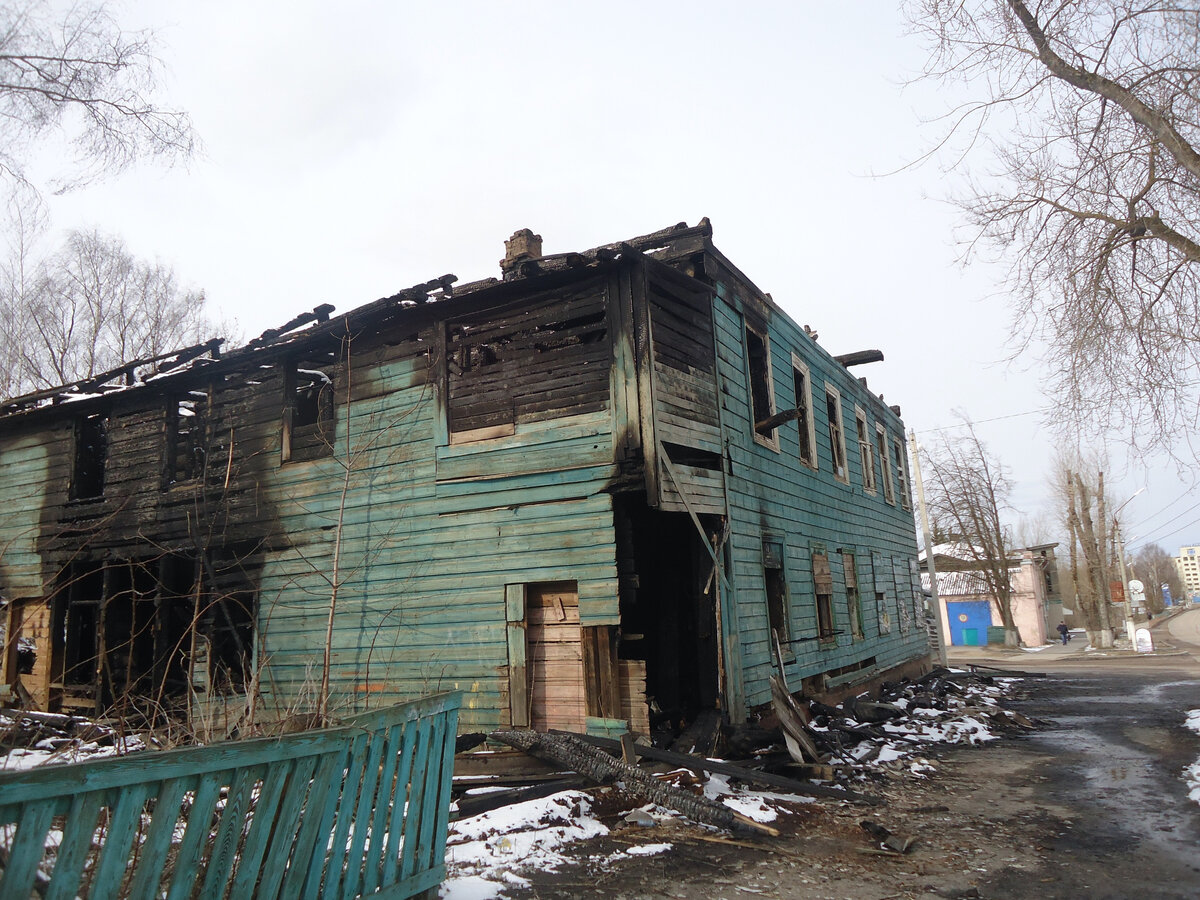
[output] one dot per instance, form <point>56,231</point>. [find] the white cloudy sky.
<point>353,149</point>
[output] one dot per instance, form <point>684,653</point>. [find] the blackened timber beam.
<point>860,357</point>
<point>751,776</point>
<point>780,418</point>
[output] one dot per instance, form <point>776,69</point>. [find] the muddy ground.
<point>1092,804</point>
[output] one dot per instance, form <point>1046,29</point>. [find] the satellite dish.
<point>1136,586</point>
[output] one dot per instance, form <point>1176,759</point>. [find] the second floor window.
<point>762,402</point>
<point>889,493</point>
<point>308,425</point>
<point>804,418</point>
<point>864,451</point>
<point>837,435</point>
<point>187,426</point>
<point>90,457</point>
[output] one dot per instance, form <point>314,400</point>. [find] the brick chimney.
<point>523,245</point>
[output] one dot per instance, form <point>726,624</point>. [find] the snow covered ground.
<point>51,740</point>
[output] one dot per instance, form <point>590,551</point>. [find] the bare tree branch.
<point>1091,112</point>
<point>82,75</point>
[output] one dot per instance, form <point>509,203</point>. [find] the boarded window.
<point>837,434</point>
<point>804,417</point>
<point>823,588</point>
<point>853,599</point>
<point>778,617</point>
<point>889,493</point>
<point>91,454</point>
<point>187,436</point>
<point>308,423</point>
<point>758,358</point>
<point>865,456</point>
<point>527,363</point>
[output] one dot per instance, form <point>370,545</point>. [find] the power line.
<point>1030,412</point>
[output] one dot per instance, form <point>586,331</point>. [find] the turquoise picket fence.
<point>360,810</point>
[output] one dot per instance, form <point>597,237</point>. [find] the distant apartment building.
<point>1188,564</point>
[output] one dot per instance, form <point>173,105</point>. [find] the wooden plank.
<point>152,854</point>
<point>27,851</point>
<point>79,831</point>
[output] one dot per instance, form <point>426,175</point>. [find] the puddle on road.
<point>1141,787</point>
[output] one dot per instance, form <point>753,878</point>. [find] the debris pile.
<point>506,824</point>
<point>29,739</point>
<point>944,707</point>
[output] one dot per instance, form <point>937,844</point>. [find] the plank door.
<point>555,657</point>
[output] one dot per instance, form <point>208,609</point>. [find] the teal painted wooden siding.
<point>773,495</point>
<point>24,461</point>
<point>431,533</point>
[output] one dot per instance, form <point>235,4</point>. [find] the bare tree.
<point>1092,561</point>
<point>1091,109</point>
<point>1155,567</point>
<point>968,493</point>
<point>81,75</point>
<point>90,307</point>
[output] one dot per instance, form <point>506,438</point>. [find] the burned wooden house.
<point>607,486</point>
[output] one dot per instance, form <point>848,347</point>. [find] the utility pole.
<point>1129,630</point>
<point>943,629</point>
<point>1120,541</point>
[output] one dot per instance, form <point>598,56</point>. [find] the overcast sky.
<point>354,149</point>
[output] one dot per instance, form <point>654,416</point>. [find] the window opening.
<point>853,600</point>
<point>889,493</point>
<point>902,473</point>
<point>804,419</point>
<point>881,613</point>
<point>837,436</point>
<point>758,357</point>
<point>777,599</point>
<point>864,451</point>
<point>308,412</point>
<point>91,454</point>
<point>187,436</point>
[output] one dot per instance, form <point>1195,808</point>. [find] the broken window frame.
<point>130,629</point>
<point>760,384</point>
<point>902,479</point>
<point>802,385</point>
<point>775,592</point>
<point>853,596</point>
<point>89,456</point>
<point>175,470</point>
<point>837,433</point>
<point>308,425</point>
<point>866,454</point>
<point>889,490</point>
<point>823,597</point>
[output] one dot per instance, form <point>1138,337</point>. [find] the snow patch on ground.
<point>1192,773</point>
<point>485,853</point>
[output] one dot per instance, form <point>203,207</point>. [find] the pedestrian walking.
<point>1064,632</point>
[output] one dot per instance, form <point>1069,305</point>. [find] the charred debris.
<point>837,763</point>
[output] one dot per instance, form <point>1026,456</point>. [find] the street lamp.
<point>1121,562</point>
